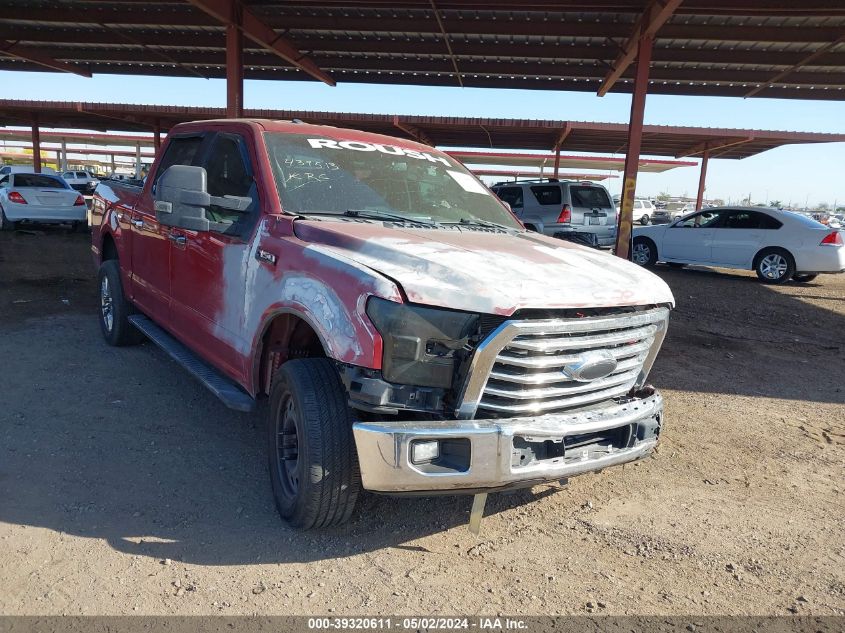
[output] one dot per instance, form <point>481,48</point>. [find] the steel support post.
<point>36,145</point>
<point>632,157</point>
<point>699,200</point>
<point>234,64</point>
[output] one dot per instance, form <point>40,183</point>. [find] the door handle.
<point>137,223</point>
<point>179,240</point>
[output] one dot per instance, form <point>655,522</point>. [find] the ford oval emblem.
<point>591,366</point>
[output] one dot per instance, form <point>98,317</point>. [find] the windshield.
<point>319,175</point>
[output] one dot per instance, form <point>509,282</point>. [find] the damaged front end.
<point>467,402</point>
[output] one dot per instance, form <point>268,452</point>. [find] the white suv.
<point>82,181</point>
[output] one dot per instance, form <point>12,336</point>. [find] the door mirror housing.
<point>182,199</point>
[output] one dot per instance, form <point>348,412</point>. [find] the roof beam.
<point>256,30</point>
<point>448,43</point>
<point>40,57</point>
<point>803,62</point>
<point>412,131</point>
<point>655,15</point>
<point>713,145</point>
<point>564,133</point>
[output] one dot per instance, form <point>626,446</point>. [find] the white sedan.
<point>778,245</point>
<point>39,198</point>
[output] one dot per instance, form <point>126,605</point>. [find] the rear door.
<point>150,278</point>
<point>547,203</point>
<point>740,235</point>
<point>206,270</point>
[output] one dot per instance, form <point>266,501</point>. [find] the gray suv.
<point>559,207</point>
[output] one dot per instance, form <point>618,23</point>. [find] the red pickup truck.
<point>411,335</point>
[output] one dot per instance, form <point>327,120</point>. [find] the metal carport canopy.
<point>745,48</point>
<point>762,48</point>
<point>495,134</point>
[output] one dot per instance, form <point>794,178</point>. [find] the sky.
<point>793,175</point>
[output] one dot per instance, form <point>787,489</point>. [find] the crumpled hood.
<point>486,271</point>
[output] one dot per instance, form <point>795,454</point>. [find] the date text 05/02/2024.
<point>417,623</point>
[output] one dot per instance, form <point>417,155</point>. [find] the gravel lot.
<point>125,488</point>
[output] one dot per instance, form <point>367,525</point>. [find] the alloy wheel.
<point>107,304</point>
<point>641,254</point>
<point>773,266</point>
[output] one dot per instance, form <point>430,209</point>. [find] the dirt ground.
<point>125,488</point>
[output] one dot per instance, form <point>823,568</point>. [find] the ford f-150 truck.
<point>411,336</point>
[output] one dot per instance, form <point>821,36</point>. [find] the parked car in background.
<point>23,169</point>
<point>42,198</point>
<point>82,181</point>
<point>778,245</point>
<point>661,216</point>
<point>643,210</point>
<point>557,207</point>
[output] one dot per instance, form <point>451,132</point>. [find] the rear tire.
<point>774,265</point>
<point>644,252</point>
<point>5,224</point>
<point>803,278</point>
<point>114,308</point>
<point>311,450</point>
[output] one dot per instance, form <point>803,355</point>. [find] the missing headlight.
<point>421,345</point>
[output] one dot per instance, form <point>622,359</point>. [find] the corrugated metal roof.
<point>706,48</point>
<point>527,134</point>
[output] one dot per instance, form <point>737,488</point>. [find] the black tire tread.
<point>123,332</point>
<point>327,421</point>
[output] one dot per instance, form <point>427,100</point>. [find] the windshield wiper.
<point>372,214</point>
<point>484,223</point>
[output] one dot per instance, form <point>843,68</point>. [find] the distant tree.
<point>823,206</point>
<point>664,195</point>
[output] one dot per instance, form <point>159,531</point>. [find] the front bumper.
<point>495,447</point>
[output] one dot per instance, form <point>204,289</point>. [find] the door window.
<point>638,204</point>
<point>68,174</point>
<point>590,197</point>
<point>230,174</point>
<point>705,219</point>
<point>547,194</point>
<point>511,195</point>
<point>180,151</point>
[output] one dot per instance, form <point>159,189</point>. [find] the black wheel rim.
<point>287,447</point>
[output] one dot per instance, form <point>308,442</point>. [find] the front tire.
<point>644,252</point>
<point>803,278</point>
<point>774,265</point>
<point>115,308</point>
<point>311,450</point>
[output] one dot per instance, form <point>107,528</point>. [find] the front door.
<point>691,240</point>
<point>150,275</point>
<point>207,275</point>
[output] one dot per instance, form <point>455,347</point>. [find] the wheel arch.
<point>286,333</point>
<point>759,254</point>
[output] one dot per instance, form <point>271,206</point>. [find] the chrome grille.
<point>519,369</point>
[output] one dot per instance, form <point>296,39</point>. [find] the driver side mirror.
<point>182,199</point>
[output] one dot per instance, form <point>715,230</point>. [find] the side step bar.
<point>232,395</point>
